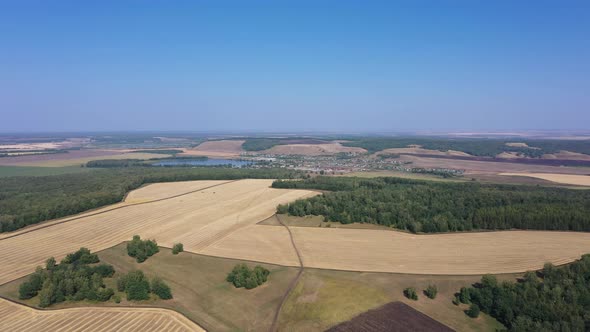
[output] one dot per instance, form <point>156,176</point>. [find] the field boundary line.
<point>275,322</point>
<point>106,306</point>
<point>115,208</point>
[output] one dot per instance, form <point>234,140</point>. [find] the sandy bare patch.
<point>582,180</point>
<point>223,148</point>
<point>312,149</point>
<point>509,155</point>
<point>517,144</point>
<point>419,150</point>
<point>197,219</point>
<point>16,317</point>
<point>567,155</point>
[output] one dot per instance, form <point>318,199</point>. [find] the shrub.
<point>473,311</point>
<point>135,285</point>
<point>160,288</point>
<point>104,270</point>
<point>82,256</point>
<point>178,247</point>
<point>431,291</point>
<point>104,294</point>
<point>242,276</point>
<point>410,293</point>
<point>141,249</point>
<point>117,299</point>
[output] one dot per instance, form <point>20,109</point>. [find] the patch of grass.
<point>324,298</point>
<point>199,288</point>
<point>323,301</point>
<point>404,175</point>
<point>6,171</point>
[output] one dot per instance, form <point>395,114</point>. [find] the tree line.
<point>426,206</point>
<point>552,299</point>
<point>27,200</point>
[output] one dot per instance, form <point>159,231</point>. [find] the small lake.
<point>203,162</point>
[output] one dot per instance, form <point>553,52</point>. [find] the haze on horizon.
<point>294,65</point>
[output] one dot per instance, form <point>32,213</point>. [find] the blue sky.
<point>294,65</point>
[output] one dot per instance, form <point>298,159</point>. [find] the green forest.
<point>554,299</point>
<point>27,200</point>
<point>429,207</point>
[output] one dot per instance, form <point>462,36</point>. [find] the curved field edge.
<point>197,219</point>
<point>199,287</point>
<point>18,317</point>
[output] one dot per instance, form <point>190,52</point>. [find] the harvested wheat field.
<point>20,318</point>
<point>312,149</point>
<point>581,180</point>
<point>391,251</point>
<point>197,219</point>
<point>419,150</point>
<point>223,148</point>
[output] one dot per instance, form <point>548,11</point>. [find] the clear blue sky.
<point>294,65</point>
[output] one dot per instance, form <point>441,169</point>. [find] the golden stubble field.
<point>21,318</point>
<point>581,180</point>
<point>219,218</point>
<point>197,219</point>
<point>398,252</point>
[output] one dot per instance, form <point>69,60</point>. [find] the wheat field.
<point>20,318</point>
<point>398,252</point>
<point>197,219</point>
<point>581,180</point>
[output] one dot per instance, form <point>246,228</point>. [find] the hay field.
<point>222,149</point>
<point>20,318</point>
<point>581,180</point>
<point>197,219</point>
<point>391,251</point>
<point>419,150</point>
<point>489,167</point>
<point>311,149</point>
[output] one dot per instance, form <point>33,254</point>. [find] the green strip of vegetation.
<point>554,299</point>
<point>259,144</point>
<point>29,200</point>
<point>160,151</point>
<point>6,171</point>
<point>426,206</point>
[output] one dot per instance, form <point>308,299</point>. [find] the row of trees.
<point>72,280</point>
<point>431,291</point>
<point>141,249</point>
<point>28,200</point>
<point>426,206</point>
<point>553,299</point>
<point>137,287</point>
<point>242,276</point>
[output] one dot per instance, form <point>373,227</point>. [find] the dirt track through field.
<point>16,317</point>
<point>275,322</point>
<point>195,219</point>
